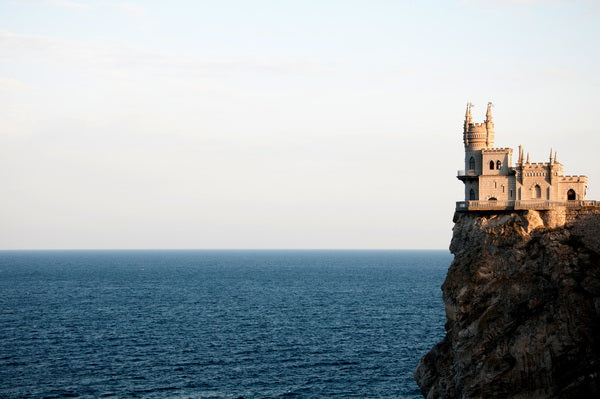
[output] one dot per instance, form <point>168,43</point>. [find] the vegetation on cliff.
<point>522,307</point>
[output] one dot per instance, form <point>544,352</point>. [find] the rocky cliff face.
<point>522,307</point>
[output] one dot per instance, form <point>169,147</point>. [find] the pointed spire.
<point>527,158</point>
<point>488,114</point>
<point>551,158</point>
<point>468,116</point>
<point>520,160</point>
<point>555,157</point>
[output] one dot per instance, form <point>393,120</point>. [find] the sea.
<point>217,323</point>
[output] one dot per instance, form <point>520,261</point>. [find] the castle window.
<point>471,195</point>
<point>502,188</point>
<point>571,196</point>
<point>537,191</point>
<point>495,185</point>
<point>491,164</point>
<point>498,164</point>
<point>472,163</point>
<point>511,194</point>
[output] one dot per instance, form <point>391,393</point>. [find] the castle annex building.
<point>492,182</point>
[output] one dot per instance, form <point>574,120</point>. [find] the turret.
<point>477,136</point>
<point>468,121</point>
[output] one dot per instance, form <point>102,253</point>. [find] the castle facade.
<point>492,182</point>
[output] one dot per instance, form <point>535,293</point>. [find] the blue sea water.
<point>217,324</point>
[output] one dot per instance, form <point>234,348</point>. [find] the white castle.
<point>492,182</point>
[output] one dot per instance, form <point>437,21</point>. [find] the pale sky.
<point>276,124</point>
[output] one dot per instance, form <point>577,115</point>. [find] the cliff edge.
<point>522,309</point>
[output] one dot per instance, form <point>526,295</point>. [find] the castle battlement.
<point>492,150</point>
<point>574,178</point>
<point>490,177</point>
<point>536,165</point>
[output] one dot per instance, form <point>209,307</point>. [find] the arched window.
<point>493,199</point>
<point>537,191</point>
<point>571,196</point>
<point>472,163</point>
<point>471,195</point>
<point>491,164</point>
<point>498,164</point>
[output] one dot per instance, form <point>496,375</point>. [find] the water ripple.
<point>217,324</point>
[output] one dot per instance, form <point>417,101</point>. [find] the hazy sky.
<point>276,124</point>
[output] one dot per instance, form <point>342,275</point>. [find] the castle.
<point>493,183</point>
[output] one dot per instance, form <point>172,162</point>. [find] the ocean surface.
<point>217,324</point>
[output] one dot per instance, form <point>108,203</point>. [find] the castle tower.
<point>476,137</point>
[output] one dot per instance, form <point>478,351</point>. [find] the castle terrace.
<point>518,205</point>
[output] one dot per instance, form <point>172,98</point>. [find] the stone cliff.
<point>522,308</point>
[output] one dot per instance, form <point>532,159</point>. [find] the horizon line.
<point>224,249</point>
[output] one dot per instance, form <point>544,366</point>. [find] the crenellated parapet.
<point>574,179</point>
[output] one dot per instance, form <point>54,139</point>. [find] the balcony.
<point>466,174</point>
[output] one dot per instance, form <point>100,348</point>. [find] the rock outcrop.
<point>522,307</point>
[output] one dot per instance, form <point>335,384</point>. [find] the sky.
<point>277,124</point>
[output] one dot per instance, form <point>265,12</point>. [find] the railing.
<point>470,172</point>
<point>466,205</point>
<point>524,204</point>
